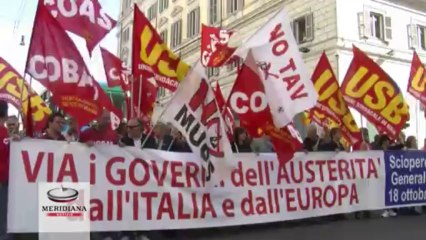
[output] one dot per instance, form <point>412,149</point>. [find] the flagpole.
<point>140,95</point>
<point>132,114</point>
<point>417,121</point>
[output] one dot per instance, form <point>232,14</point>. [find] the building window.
<point>303,28</point>
<point>422,36</point>
<point>213,12</point>
<point>163,36</point>
<point>193,23</point>
<point>176,34</point>
<point>164,4</point>
<point>375,24</point>
<point>212,72</point>
<point>126,35</point>
<point>152,12</point>
<point>233,6</point>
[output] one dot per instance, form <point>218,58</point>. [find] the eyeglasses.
<point>131,127</point>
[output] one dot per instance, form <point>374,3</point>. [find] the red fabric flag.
<point>417,82</point>
<point>16,91</point>
<point>85,18</point>
<point>144,97</point>
<point>117,74</point>
<point>215,51</point>
<point>368,89</point>
<point>248,100</point>
<point>151,55</point>
<point>55,62</point>
<point>331,103</point>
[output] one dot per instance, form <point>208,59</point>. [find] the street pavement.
<point>397,228</point>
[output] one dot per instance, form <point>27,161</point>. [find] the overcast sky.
<point>16,19</point>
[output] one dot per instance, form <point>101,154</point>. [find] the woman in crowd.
<point>242,141</point>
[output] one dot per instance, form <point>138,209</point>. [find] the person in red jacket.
<point>4,170</point>
<point>101,132</point>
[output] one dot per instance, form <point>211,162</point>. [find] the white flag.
<point>193,111</point>
<point>288,86</point>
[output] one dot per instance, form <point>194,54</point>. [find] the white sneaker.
<point>392,213</point>
<point>385,214</point>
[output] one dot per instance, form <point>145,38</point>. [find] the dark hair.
<point>52,118</point>
<point>409,141</point>
<point>382,139</point>
<point>237,132</point>
<point>3,109</point>
<point>333,132</point>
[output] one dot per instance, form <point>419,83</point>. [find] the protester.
<point>333,144</point>
<point>4,170</point>
<point>54,127</point>
<point>12,124</point>
<point>122,129</point>
<point>364,144</point>
<point>399,144</point>
<point>159,139</point>
<point>241,141</point>
<point>71,134</point>
<point>310,144</point>
<point>135,136</point>
<point>411,143</point>
<point>179,142</point>
<point>101,133</point>
<point>262,144</point>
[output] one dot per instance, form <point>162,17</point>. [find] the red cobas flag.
<point>115,71</point>
<point>151,55</point>
<point>54,60</point>
<point>368,89</point>
<point>417,81</point>
<point>85,18</point>
<point>249,101</point>
<point>215,51</point>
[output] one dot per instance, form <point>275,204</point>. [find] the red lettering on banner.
<point>149,196</point>
<point>299,199</point>
<point>165,207</point>
<point>260,205</point>
<point>192,176</point>
<point>228,208</point>
<point>133,171</point>
<point>96,210</point>
<point>120,172</point>
<point>159,177</point>
<point>66,169</point>
<point>252,177</point>
<point>181,206</point>
<point>207,206</point>
<point>176,174</point>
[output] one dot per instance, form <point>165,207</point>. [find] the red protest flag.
<point>16,91</point>
<point>332,104</point>
<point>84,18</point>
<point>144,96</point>
<point>371,91</point>
<point>151,55</point>
<point>250,103</point>
<point>215,51</point>
<point>54,60</point>
<point>117,74</point>
<point>417,82</point>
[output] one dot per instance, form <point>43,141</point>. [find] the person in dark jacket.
<point>134,136</point>
<point>241,141</point>
<point>179,142</point>
<point>159,139</point>
<point>310,144</point>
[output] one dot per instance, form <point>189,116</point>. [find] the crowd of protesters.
<point>166,137</point>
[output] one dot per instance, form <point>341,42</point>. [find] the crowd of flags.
<point>273,84</point>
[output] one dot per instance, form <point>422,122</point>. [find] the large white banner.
<point>133,189</point>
